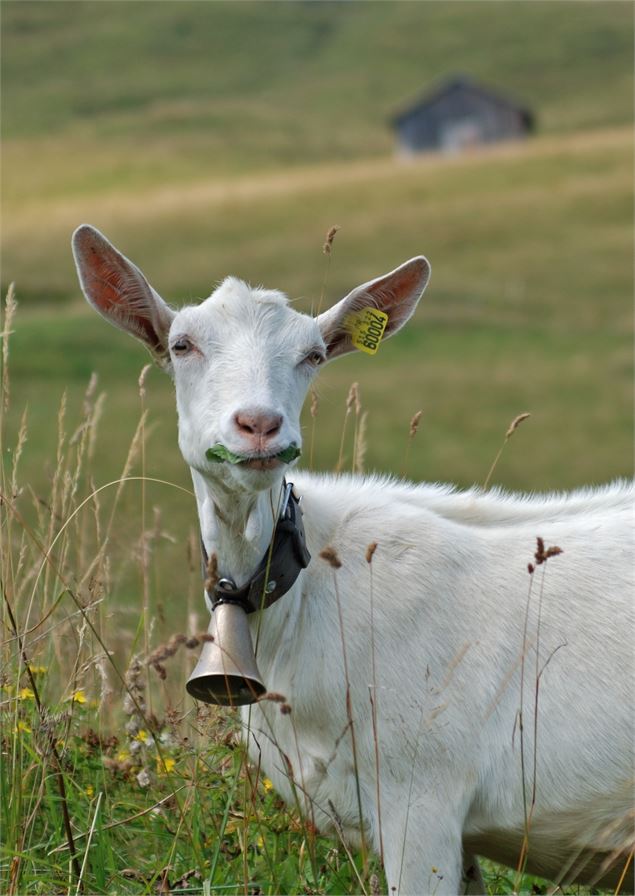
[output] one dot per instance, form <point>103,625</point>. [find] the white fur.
<point>435,630</point>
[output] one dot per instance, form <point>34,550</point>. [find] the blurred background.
<point>215,138</point>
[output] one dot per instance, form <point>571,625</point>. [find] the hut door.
<point>460,135</point>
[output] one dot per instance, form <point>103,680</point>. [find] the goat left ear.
<point>117,289</point>
<point>396,294</point>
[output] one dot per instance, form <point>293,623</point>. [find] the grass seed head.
<point>274,697</point>
<point>414,424</point>
<point>142,381</point>
<point>543,554</point>
<point>352,399</point>
<point>513,426</point>
<point>165,651</point>
<point>330,236</point>
<point>89,394</point>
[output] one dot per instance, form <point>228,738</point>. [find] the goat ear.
<point>396,293</point>
<point>117,289</point>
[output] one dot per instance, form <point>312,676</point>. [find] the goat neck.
<point>237,525</point>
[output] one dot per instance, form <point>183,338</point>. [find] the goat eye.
<point>314,358</point>
<point>181,346</point>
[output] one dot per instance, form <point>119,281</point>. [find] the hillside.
<point>97,95</point>
<point>156,68</point>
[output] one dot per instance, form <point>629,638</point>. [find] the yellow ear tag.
<point>367,328</point>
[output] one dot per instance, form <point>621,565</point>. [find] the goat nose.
<point>261,424</point>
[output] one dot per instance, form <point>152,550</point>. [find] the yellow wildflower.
<point>123,756</point>
<point>22,726</point>
<point>26,694</point>
<point>165,766</point>
<point>90,790</point>
<point>141,735</point>
<point>78,696</point>
<point>266,783</point>
<point>37,670</point>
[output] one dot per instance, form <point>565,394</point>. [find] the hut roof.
<point>459,84</point>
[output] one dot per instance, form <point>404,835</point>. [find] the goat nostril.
<point>258,424</point>
<point>274,426</point>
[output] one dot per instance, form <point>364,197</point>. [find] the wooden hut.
<point>458,115</point>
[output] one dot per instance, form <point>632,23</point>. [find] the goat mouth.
<point>262,463</point>
<point>220,454</point>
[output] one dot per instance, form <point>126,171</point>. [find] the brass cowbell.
<point>226,672</point>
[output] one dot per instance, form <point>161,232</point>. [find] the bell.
<point>226,672</point>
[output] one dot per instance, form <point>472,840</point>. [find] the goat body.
<point>446,701</point>
<point>438,629</point>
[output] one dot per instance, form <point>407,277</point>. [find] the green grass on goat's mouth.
<point>220,454</point>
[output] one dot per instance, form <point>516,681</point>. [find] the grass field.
<point>534,317</point>
<point>143,123</point>
<point>113,99</point>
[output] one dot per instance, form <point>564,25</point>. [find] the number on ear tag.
<point>367,328</point>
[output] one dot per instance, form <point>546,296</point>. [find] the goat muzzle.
<point>226,672</point>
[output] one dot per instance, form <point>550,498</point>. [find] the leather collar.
<point>284,560</point>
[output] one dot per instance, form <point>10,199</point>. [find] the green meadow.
<point>145,121</point>
<point>529,306</point>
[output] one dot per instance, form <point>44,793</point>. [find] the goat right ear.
<point>396,294</point>
<point>117,289</point>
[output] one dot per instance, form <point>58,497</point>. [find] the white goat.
<point>428,638</point>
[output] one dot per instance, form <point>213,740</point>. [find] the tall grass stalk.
<point>144,544</point>
<point>370,553</point>
<point>513,426</point>
<point>412,432</point>
<point>541,556</point>
<point>327,250</point>
<point>330,556</point>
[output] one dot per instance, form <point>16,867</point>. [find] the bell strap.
<point>284,560</point>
